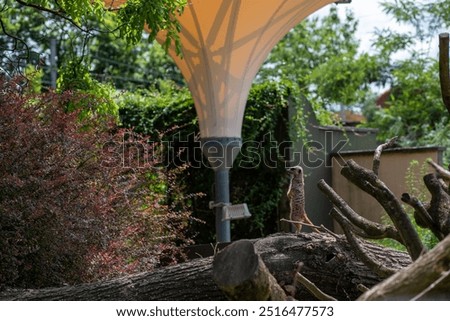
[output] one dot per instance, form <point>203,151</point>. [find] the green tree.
<point>322,56</point>
<point>414,110</point>
<point>427,17</point>
<point>107,43</point>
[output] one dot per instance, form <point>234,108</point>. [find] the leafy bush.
<point>79,200</point>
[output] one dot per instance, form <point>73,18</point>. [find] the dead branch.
<point>378,151</point>
<point>363,255</point>
<point>362,288</point>
<point>439,208</point>
<point>314,227</point>
<point>370,183</point>
<point>370,229</point>
<point>431,286</point>
<point>421,215</point>
<point>313,288</point>
<point>443,173</point>
<point>329,262</point>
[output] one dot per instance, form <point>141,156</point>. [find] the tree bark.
<point>328,262</point>
<point>183,282</point>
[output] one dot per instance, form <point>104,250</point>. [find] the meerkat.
<point>296,195</point>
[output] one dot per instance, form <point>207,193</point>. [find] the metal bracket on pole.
<point>235,212</point>
<point>232,212</point>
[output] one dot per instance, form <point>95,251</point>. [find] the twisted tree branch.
<point>421,215</point>
<point>369,182</point>
<point>370,229</point>
<point>364,256</point>
<point>439,208</point>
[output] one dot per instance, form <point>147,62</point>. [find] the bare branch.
<point>329,232</point>
<point>365,257</point>
<point>417,277</point>
<point>370,183</point>
<point>371,229</point>
<point>314,227</point>
<point>421,215</point>
<point>431,286</point>
<point>439,208</point>
<point>443,173</point>
<point>362,288</point>
<point>313,288</point>
<point>378,151</point>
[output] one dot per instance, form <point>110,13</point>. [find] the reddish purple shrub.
<point>69,211</point>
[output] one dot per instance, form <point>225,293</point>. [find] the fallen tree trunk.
<point>328,262</point>
<point>187,281</point>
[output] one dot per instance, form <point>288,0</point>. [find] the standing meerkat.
<point>296,195</point>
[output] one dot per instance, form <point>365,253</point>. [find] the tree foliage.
<point>414,110</point>
<point>111,44</point>
<point>427,17</point>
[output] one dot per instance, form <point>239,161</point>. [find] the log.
<point>183,282</point>
<point>328,262</point>
<point>242,275</point>
<point>428,278</point>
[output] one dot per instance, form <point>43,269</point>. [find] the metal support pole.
<point>222,196</point>
<point>221,153</point>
